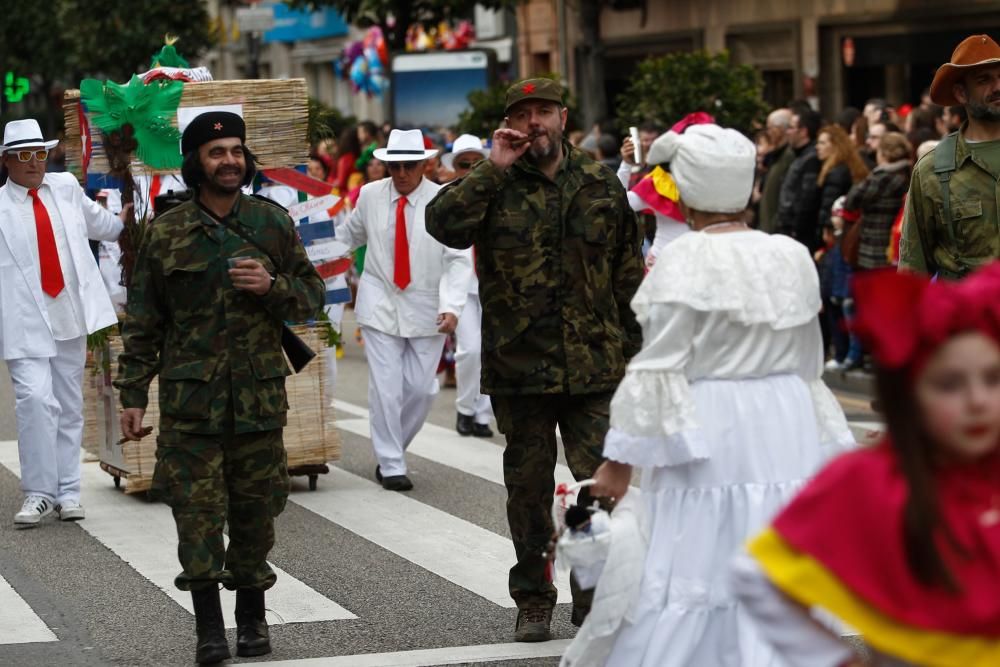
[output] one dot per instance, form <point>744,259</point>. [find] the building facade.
<point>834,52</point>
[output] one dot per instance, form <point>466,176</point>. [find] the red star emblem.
<point>218,126</point>
<point>528,88</point>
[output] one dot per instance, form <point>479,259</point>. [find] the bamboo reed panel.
<point>275,110</point>
<point>310,437</point>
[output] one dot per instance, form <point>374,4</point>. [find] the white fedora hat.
<point>405,146</point>
<point>18,134</point>
<point>466,143</point>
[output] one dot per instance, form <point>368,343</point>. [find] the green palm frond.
<point>147,108</point>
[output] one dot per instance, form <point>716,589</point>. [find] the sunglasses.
<point>25,156</point>
<point>404,166</point>
<point>464,165</point>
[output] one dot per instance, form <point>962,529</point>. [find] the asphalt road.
<point>95,591</point>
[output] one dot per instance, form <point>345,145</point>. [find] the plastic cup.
<point>234,260</point>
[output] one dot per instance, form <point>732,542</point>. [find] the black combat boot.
<point>212,645</point>
<point>252,636</point>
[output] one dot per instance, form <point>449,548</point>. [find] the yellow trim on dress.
<point>807,581</point>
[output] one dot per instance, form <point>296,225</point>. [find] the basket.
<point>275,111</point>
<point>311,438</point>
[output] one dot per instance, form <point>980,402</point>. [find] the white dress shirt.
<point>439,276</point>
<point>66,308</point>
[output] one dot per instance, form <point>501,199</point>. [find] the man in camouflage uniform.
<point>952,221</point>
<point>211,329</point>
<point>558,260</point>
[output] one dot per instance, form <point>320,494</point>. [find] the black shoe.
<point>212,646</point>
<point>482,431</point>
<point>397,483</point>
<point>533,624</point>
<point>465,424</point>
<point>252,635</point>
<point>578,616</point>
<point>378,474</point>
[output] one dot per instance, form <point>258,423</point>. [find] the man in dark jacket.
<point>798,203</point>
<point>558,259</point>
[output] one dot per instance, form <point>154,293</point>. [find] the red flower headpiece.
<point>903,317</point>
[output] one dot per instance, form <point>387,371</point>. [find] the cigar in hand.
<point>526,140</point>
<point>146,430</point>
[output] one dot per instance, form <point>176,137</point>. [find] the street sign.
<point>255,19</point>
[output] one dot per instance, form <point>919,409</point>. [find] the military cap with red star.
<point>534,89</point>
<point>212,125</point>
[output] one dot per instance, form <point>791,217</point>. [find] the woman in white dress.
<point>723,409</point>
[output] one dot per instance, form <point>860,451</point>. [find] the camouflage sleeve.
<point>914,244</point>
<point>143,332</point>
<point>298,292</point>
<point>456,214</point>
<point>628,273</point>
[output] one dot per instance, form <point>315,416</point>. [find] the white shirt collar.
<point>19,193</point>
<point>410,198</point>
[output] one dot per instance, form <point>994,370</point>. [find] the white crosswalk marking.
<point>452,655</point>
<point>461,552</point>
<point>18,623</point>
<point>142,534</point>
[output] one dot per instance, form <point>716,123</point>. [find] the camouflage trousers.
<point>209,480</point>
<point>529,460</point>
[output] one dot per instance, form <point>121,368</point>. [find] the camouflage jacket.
<point>558,263</point>
<point>974,238</point>
<point>216,349</point>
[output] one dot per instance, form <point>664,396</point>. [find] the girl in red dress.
<point>901,541</point>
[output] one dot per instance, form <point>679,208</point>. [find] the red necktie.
<point>154,189</point>
<point>401,272</point>
<point>48,256</point>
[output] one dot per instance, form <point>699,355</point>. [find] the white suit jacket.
<point>439,276</point>
<point>24,321</point>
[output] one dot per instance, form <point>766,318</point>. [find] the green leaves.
<point>148,109</point>
<point>668,88</point>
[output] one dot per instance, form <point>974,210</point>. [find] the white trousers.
<point>402,383</point>
<point>469,363</point>
<point>48,395</point>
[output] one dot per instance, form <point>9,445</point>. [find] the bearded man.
<point>558,259</point>
<point>215,279</point>
<point>952,209</point>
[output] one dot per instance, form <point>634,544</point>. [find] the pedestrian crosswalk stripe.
<point>474,456</point>
<point>452,655</point>
<point>143,535</point>
<point>18,623</point>
<point>456,550</point>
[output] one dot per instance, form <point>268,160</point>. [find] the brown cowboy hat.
<point>972,52</point>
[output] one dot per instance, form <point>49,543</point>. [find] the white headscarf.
<point>712,166</point>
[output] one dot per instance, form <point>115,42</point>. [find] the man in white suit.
<point>473,408</point>
<point>51,297</point>
<point>409,298</point>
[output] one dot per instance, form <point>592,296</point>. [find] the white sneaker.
<point>833,365</point>
<point>34,509</point>
<point>71,511</point>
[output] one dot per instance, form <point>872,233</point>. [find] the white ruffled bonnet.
<point>712,166</point>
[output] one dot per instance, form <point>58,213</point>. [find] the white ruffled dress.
<point>725,411</point>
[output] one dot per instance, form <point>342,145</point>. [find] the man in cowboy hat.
<point>409,298</point>
<point>473,408</point>
<point>952,209</point>
<point>53,296</point>
<point>558,258</point>
<point>217,276</point>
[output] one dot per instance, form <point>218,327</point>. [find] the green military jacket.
<point>216,349</point>
<point>558,263</point>
<point>927,245</point>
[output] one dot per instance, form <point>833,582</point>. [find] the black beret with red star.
<point>212,125</point>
